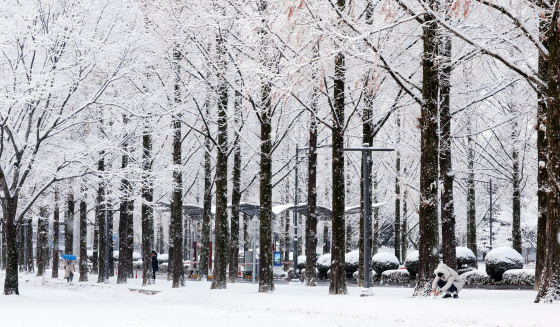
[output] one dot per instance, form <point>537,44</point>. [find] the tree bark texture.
<point>83,238</point>
<point>101,218</point>
<point>449,243</point>
<point>338,274</point>
<point>311,224</point>
<point>147,209</point>
<point>542,145</point>
<point>428,216</point>
<point>235,195</point>
<point>219,277</point>
<point>549,290</point>
<point>56,227</point>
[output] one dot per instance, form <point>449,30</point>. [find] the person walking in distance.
<point>155,265</point>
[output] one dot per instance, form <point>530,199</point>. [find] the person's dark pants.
<point>154,274</point>
<point>441,284</point>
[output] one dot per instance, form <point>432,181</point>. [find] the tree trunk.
<point>265,268</point>
<point>101,218</point>
<point>29,248</point>
<point>206,214</point>
<point>311,224</point>
<point>147,209</point>
<point>449,243</point>
<point>375,240</point>
<point>9,209</point>
<point>69,228</point>
<point>428,216</point>
<point>338,274</point>
<point>326,247</point>
<point>3,245</point>
<point>349,236</point>
<point>397,223</point>
<point>516,196</point>
<point>266,276</point>
<point>56,226</point>
<point>549,290</point>
<point>404,229</point>
<point>542,145</point>
<point>95,260</point>
<point>235,195</point>
<point>83,239</point>
<point>219,277</point>
<point>42,241</point>
<point>471,195</point>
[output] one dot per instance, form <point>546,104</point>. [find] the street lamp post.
<point>366,155</point>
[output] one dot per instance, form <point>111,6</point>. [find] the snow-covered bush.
<point>301,260</point>
<point>163,267</point>
<point>384,261</point>
<point>519,277</point>
<point>499,260</point>
<point>476,277</point>
<point>465,257</point>
<point>372,276</point>
<point>396,276</point>
<point>324,265</point>
<point>463,270</point>
<point>351,263</point>
<point>411,263</point>
<point>162,258</point>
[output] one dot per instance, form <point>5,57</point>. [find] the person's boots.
<point>447,295</point>
<point>455,295</point>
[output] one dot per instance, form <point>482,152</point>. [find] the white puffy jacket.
<point>450,276</point>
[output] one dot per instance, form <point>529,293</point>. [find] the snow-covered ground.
<point>89,304</point>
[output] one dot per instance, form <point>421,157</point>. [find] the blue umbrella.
<point>69,257</point>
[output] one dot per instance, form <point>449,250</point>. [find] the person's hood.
<point>444,269</point>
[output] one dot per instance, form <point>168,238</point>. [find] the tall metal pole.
<point>295,216</point>
<point>491,214</point>
<point>366,155</point>
<point>107,247</point>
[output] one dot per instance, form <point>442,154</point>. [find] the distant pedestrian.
<point>69,270</point>
<point>155,265</point>
<point>447,280</point>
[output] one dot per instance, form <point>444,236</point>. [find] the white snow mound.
<point>504,254</point>
<point>386,257</point>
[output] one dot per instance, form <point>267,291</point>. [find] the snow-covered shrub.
<point>163,267</point>
<point>500,260</point>
<point>351,263</point>
<point>465,257</point>
<point>384,261</point>
<point>519,277</point>
<point>395,276</point>
<point>162,258</point>
<point>411,263</point>
<point>463,270</point>
<point>301,260</point>
<point>324,265</point>
<point>372,276</point>
<point>282,274</point>
<point>476,277</point>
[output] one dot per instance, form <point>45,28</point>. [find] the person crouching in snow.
<point>447,280</point>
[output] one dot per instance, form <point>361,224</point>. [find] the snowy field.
<point>89,304</point>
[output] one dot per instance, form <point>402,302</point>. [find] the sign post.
<point>366,154</point>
